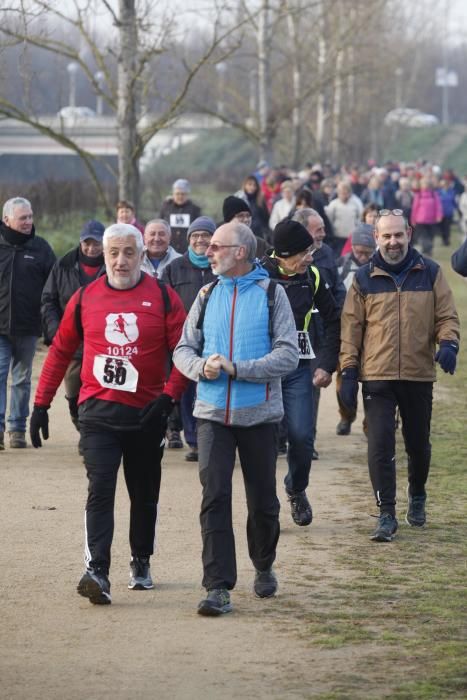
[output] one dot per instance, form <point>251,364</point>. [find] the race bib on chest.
<point>305,351</point>
<point>179,220</point>
<point>115,373</point>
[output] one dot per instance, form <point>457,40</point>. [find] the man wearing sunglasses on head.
<point>237,343</point>
<point>398,309</point>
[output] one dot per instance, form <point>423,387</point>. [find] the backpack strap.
<point>271,294</point>
<point>202,313</point>
<point>165,296</point>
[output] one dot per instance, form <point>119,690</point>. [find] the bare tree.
<point>120,69</point>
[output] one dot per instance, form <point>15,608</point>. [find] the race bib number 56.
<point>115,373</point>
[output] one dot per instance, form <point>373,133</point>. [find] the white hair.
<point>10,204</point>
<point>162,222</point>
<point>123,231</point>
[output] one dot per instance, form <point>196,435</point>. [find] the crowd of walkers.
<point>221,335</point>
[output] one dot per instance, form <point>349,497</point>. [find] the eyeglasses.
<point>215,247</point>
<point>388,212</point>
<point>200,236</point>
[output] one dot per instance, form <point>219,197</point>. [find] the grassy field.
<point>407,600</point>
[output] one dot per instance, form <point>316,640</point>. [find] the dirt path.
<point>56,645</point>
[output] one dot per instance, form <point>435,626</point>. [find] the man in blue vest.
<point>237,346</point>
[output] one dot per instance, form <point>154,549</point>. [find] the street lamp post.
<point>221,69</point>
<point>72,69</point>
<point>99,78</point>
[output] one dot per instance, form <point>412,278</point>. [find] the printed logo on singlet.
<point>121,329</point>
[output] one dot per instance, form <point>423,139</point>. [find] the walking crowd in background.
<point>222,335</point>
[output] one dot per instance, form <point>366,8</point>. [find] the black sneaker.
<point>140,574</point>
<point>315,455</point>
<point>265,584</point>
<point>343,427</point>
<point>216,603</point>
<point>174,441</point>
<point>300,508</point>
<point>416,516</point>
<point>386,528</point>
<point>192,455</point>
<point>95,585</point>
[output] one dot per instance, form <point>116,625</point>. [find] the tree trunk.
<point>321,106</point>
<point>264,83</point>
<point>128,163</point>
<point>296,86</point>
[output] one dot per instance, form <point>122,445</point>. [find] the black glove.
<point>155,414</point>
<point>349,388</point>
<point>447,355</point>
<point>39,421</point>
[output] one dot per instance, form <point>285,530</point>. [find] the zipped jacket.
<point>236,325</point>
<point>186,278</point>
<point>25,263</point>
<point>390,331</point>
<point>306,293</point>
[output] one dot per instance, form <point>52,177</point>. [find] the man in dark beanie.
<point>77,268</point>
<point>290,263</point>
<point>237,209</point>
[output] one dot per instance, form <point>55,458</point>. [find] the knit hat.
<point>182,185</point>
<point>363,235</point>
<point>92,229</point>
<point>233,206</point>
<point>202,223</point>
<point>289,238</point>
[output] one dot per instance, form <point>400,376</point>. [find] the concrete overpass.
<point>98,134</point>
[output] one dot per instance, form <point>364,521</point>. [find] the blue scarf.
<point>198,260</point>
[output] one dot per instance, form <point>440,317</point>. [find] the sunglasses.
<point>215,247</point>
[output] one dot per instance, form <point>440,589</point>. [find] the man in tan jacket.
<point>398,308</point>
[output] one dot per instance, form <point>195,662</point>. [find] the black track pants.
<point>142,454</point>
<point>414,400</point>
<point>257,451</point>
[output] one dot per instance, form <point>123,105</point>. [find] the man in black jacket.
<point>290,263</point>
<point>75,269</point>
<point>25,262</point>
<point>324,260</point>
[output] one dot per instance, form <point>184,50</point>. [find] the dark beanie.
<point>289,238</point>
<point>202,223</point>
<point>363,235</point>
<point>233,206</point>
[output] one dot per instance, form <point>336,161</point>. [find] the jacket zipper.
<point>229,381</point>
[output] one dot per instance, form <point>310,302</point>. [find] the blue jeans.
<point>297,395</point>
<point>18,352</point>
<point>187,403</point>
